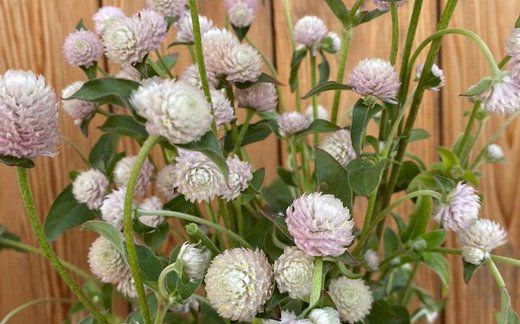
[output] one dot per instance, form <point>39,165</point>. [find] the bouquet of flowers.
<point>288,251</point>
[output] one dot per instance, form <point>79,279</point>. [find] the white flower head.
<point>335,41</point>
<point>77,109</point>
<point>513,44</point>
<point>82,48</point>
<point>123,169</point>
<point>474,255</point>
<point>166,181</point>
<point>436,71</point>
<point>310,31</point>
<point>106,262</point>
<point>191,76</point>
<point>483,234</point>
<point>339,146</point>
<point>222,109</point>
<point>151,203</point>
<point>217,43</point>
<point>195,260</point>
<point>371,260</point>
<point>168,8</point>
<point>460,210</point>
<point>238,178</point>
<point>90,187</point>
<point>104,16</point>
<point>384,5</point>
<point>113,206</point>
<point>352,298</point>
<point>495,152</point>
<point>293,273</point>
<point>322,113</point>
<point>503,98</point>
<point>327,315</point>
<point>375,77</point>
<point>184,27</point>
<point>241,13</point>
<point>127,286</point>
<point>260,96</point>
<point>242,64</point>
<point>292,122</point>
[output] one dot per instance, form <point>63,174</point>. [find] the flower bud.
<point>195,260</point>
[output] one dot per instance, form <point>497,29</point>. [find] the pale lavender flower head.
<point>112,208</point>
<point>514,67</point>
<point>503,98</point>
<point>292,122</point>
<point>339,146</point>
<point>166,181</point>
<point>327,315</point>
<point>129,72</point>
<point>191,76</point>
<point>384,5</point>
<point>513,44</point>
<point>185,27</point>
<point>168,8</point>
<point>153,27</point>
<point>90,187</point>
<point>260,96</point>
<point>352,297</point>
<point>460,210</point>
<point>217,43</point>
<point>151,203</point>
<point>242,64</point>
<point>175,110</point>
<point>82,48</point>
<point>197,177</point>
<point>484,234</point>
<point>495,152</point>
<point>293,273</point>
<point>474,255</point>
<point>437,72</point>
<point>106,262</point>
<point>127,286</point>
<point>104,16</point>
<point>322,113</point>
<point>77,109</point>
<point>124,168</point>
<point>195,260</point>
<point>28,116</point>
<point>241,13</point>
<point>238,179</point>
<point>371,259</point>
<point>222,109</point>
<point>310,31</point>
<point>375,77</point>
<point>320,224</point>
<point>238,283</point>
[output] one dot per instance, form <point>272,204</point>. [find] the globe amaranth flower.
<point>151,203</point>
<point>184,27</point>
<point>479,239</point>
<point>172,109</point>
<point>460,209</point>
<point>310,31</point>
<point>241,13</point>
<point>327,315</point>
<point>238,283</point>
<point>168,8</point>
<point>320,224</point>
<point>197,177</point>
<point>28,116</point>
<point>90,187</point>
<point>339,146</point>
<point>260,96</point>
<point>244,63</point>
<point>503,98</point>
<point>293,273</point>
<point>322,113</point>
<point>513,44</point>
<point>129,72</point>
<point>238,177</point>
<point>104,16</point>
<point>352,298</point>
<point>292,122</point>
<point>385,5</point>
<point>123,169</point>
<point>166,181</point>
<point>113,206</point>
<point>127,287</point>
<point>514,69</point>
<point>82,48</point>
<point>495,152</point>
<point>217,43</point>
<point>335,42</point>
<point>79,110</point>
<point>437,72</point>
<point>191,76</point>
<point>375,77</point>
<point>153,26</point>
<point>195,260</point>
<point>371,259</point>
<point>222,109</point>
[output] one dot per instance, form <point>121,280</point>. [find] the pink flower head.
<point>514,66</point>
<point>222,109</point>
<point>375,77</point>
<point>320,224</point>
<point>82,48</point>
<point>503,98</point>
<point>260,96</point>
<point>513,44</point>
<point>151,203</point>
<point>241,13</point>
<point>384,5</point>
<point>310,31</point>
<point>77,109</point>
<point>113,207</point>
<point>28,116</point>
<point>217,44</point>
<point>124,168</point>
<point>105,15</point>
<point>437,72</point>
<point>239,176</point>
<point>153,28</point>
<point>244,63</point>
<point>292,122</point>
<point>168,8</point>
<point>185,27</point>
<point>461,209</point>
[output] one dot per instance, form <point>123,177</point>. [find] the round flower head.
<point>222,109</point>
<point>104,16</point>
<point>184,27</point>
<point>322,113</point>
<point>310,31</point>
<point>474,255</point>
<point>166,181</point>
<point>513,44</point>
<point>151,203</point>
<point>152,26</point>
<point>384,5</point>
<point>124,168</point>
<point>28,116</point>
<point>514,67</point>
<point>243,63</point>
<point>192,77</point>
<point>217,43</point>
<point>90,187</point>
<point>241,13</point>
<point>197,177</point>
<point>168,8</point>
<point>174,110</point>
<point>460,210</point>
<point>238,178</point>
<point>495,152</point>
<point>292,122</point>
<point>352,298</point>
<point>335,42</point>
<point>483,234</point>
<point>129,72</point>
<point>437,72</point>
<point>293,273</point>
<point>320,225</point>
<point>375,77</point>
<point>503,98</point>
<point>106,262</point>
<point>327,315</point>
<point>372,260</point>
<point>127,287</point>
<point>238,283</point>
<point>77,109</point>
<point>82,48</point>
<point>195,260</point>
<point>339,146</point>
<point>112,208</point>
<point>260,96</point>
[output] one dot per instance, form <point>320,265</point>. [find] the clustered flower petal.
<point>151,203</point>
<point>192,77</point>
<point>335,41</point>
<point>260,96</point>
<point>495,152</point>
<point>320,224</point>
<point>238,283</point>
<point>513,44</point>
<point>327,315</point>
<point>175,110</point>
<point>310,31</point>
<point>384,5</point>
<point>79,110</point>
<point>352,298</point>
<point>168,8</point>
<point>195,260</point>
<point>185,27</point>
<point>222,109</point>
<point>238,178</point>
<point>217,44</point>
<point>339,146</point>
<point>241,13</point>
<point>514,67</point>
<point>124,168</point>
<point>166,181</point>
<point>28,116</point>
<point>129,72</point>
<point>104,16</point>
<point>484,235</point>
<point>437,72</point>
<point>153,26</point>
<point>322,113</point>
<point>460,210</point>
<point>371,260</point>
<point>113,207</point>
<point>375,77</point>
<point>292,122</point>
<point>90,187</point>
<point>82,48</point>
<point>293,273</point>
<point>503,98</point>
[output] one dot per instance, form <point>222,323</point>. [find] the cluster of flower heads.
<point>312,32</point>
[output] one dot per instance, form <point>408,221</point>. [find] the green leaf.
<point>360,117</point>
<point>418,134</point>
<point>507,314</point>
<point>108,231</point>
<point>104,152</point>
<point>155,238</point>
<point>65,213</point>
<point>434,239</point>
<point>91,71</point>
<point>287,176</point>
<point>438,263</point>
<point>107,91</point>
<point>364,176</point>
<point>181,205</point>
<point>209,146</point>
<point>85,124</point>
<point>333,178</point>
<point>296,61</point>
<point>278,196</point>
<point>326,86</point>
<point>263,78</point>
<point>469,270</point>
<point>484,85</point>
<point>9,236</point>
<point>17,162</point>
<point>319,126</point>
<point>149,264</point>
<point>255,133</point>
<point>241,32</point>
<point>418,219</point>
<point>366,16</point>
<point>407,172</point>
<point>382,312</point>
<point>81,25</point>
<point>323,69</point>
<point>449,159</point>
<point>391,242</point>
<point>180,43</point>
<point>170,60</point>
<point>339,9</point>
<point>126,126</point>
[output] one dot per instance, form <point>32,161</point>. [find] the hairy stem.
<point>315,96</point>
<point>395,33</point>
<point>288,18</point>
<point>342,64</point>
<point>32,303</point>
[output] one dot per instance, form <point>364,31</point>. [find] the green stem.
<point>23,180</point>
<point>300,187</point>
<point>317,282</point>
<point>395,32</point>
<point>128,226</point>
<point>495,273</point>
<point>243,130</point>
<point>290,28</point>
<point>31,303</point>
<point>240,218</point>
<point>340,74</point>
<point>468,130</point>
<point>161,312</point>
<point>162,284</point>
<point>197,236</point>
<point>443,250</point>
<point>163,64</point>
<point>73,146</point>
<point>103,112</point>
<point>314,97</point>
<point>409,284</point>
<point>103,71</point>
<point>497,258</point>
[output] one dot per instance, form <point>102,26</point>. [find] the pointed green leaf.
<point>327,86</point>
<point>107,91</point>
<point>296,61</point>
<point>126,126</point>
<point>319,126</point>
<point>108,231</point>
<point>418,219</point>
<point>333,178</point>
<point>360,117</point>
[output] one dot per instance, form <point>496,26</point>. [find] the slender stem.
<point>409,284</point>
<point>163,64</point>
<point>103,71</point>
<point>197,220</point>
<point>240,218</point>
<point>496,258</point>
<point>211,213</point>
<point>395,32</point>
<point>103,112</point>
<point>300,187</point>
<point>161,312</point>
<point>31,303</point>
<point>355,8</point>
<point>73,146</point>
<point>340,74</point>
<point>128,226</point>
<point>243,130</point>
<point>288,18</point>
<point>315,96</point>
<point>23,180</point>
<point>446,250</point>
<point>161,281</point>
<point>317,281</point>
<point>467,133</point>
<point>495,273</point>
<point>197,236</point>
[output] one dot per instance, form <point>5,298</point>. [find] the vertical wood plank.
<point>464,65</point>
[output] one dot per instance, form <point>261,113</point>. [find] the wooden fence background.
<point>32,32</point>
